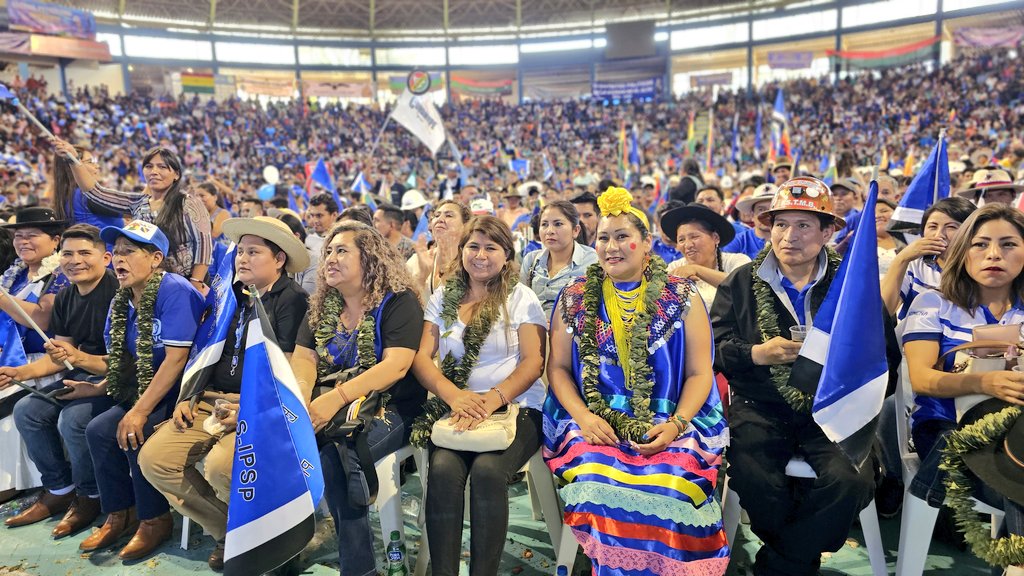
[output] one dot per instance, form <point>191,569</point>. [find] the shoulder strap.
<point>378,338</point>
<point>973,346</point>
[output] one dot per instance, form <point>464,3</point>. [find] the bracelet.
<point>196,280</point>
<point>344,396</point>
<point>681,423</point>
<point>504,401</point>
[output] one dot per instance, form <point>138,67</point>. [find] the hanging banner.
<point>473,87</point>
<point>283,88</point>
<point>398,84</point>
<point>15,43</point>
<point>790,59</point>
<point>336,89</point>
<point>1007,37</point>
<point>896,56</point>
<point>57,47</point>
<point>705,80</point>
<point>44,18</point>
<point>627,90</point>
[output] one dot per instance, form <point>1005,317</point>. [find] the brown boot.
<point>117,525</point>
<point>82,513</point>
<point>216,560</point>
<point>46,506</point>
<point>150,535</point>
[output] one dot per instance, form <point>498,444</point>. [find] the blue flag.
<point>846,347</point>
<point>6,94</point>
<point>757,133</point>
<point>522,220</point>
<point>549,170</point>
<point>930,185</point>
<point>735,151</point>
<point>634,149</point>
<point>521,167</point>
<point>13,351</point>
<point>208,344</point>
<point>322,176</point>
<point>422,225</point>
<point>276,480</point>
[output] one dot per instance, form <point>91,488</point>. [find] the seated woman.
<point>33,281</point>
<point>981,285</point>
<point>918,267</point>
<point>182,218</point>
<point>267,249</point>
<point>489,331</point>
<point>428,266</point>
<point>633,425</point>
<point>152,321</point>
<point>562,259</point>
<point>700,234</point>
<point>363,314</point>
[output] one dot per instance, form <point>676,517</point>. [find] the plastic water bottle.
<point>562,571</point>
<point>396,556</point>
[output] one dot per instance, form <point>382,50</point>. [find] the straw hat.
<point>272,230</point>
<point>985,180</point>
<point>764,192</point>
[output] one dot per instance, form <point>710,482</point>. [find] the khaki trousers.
<point>169,461</point>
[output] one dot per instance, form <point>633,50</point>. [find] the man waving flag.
<point>276,480</point>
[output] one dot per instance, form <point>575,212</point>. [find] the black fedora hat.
<point>37,217</point>
<point>1000,464</point>
<point>673,219</point>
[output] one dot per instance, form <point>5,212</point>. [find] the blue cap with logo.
<point>139,232</point>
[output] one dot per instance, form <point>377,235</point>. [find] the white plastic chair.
<point>799,468</point>
<point>918,518</point>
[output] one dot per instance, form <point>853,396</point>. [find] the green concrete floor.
<point>30,550</point>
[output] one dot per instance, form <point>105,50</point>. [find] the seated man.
<point>267,249</point>
<point>769,419</point>
<point>78,316</point>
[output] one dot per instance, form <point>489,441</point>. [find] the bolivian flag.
<point>197,83</point>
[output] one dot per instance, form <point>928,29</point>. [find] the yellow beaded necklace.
<point>622,307</point>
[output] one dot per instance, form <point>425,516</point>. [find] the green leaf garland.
<point>456,371</point>
<point>641,381</point>
<point>118,385</point>
<point>768,322</point>
<point>960,484</point>
<point>333,307</point>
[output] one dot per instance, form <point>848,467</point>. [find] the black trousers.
<point>797,519</point>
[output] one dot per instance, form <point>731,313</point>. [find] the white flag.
<point>418,115</point>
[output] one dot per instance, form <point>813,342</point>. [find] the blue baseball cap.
<point>139,232</point>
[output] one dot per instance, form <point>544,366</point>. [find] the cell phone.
<point>62,391</point>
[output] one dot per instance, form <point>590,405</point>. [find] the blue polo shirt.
<point>667,253</point>
<point>176,315</point>
<point>796,297</point>
<point>746,242</point>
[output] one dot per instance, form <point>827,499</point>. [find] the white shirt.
<point>314,242</point>
<point>730,262</point>
<point>499,354</point>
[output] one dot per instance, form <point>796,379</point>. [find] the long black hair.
<point>171,218</point>
<point>63,182</point>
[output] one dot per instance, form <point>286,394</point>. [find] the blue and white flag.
<point>521,167</point>
<point>6,94</point>
<point>734,152</point>
<point>422,225</point>
<point>208,344</point>
<point>930,185</point>
<point>12,352</point>
<point>758,132</point>
<point>360,184</point>
<point>843,360</point>
<point>276,480</point>
<point>634,149</point>
<point>549,170</point>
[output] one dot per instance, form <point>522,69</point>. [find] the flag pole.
<point>938,152</point>
<point>29,322</point>
<point>376,140</point>
<point>39,125</point>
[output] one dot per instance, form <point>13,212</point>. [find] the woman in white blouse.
<point>549,270</point>
<point>489,331</point>
<point>700,233</point>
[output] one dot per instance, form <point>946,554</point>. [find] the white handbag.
<point>495,433</point>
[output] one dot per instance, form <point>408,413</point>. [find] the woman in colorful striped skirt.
<point>633,426</point>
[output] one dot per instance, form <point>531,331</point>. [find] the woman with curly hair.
<point>365,316</point>
<point>633,426</point>
<point>489,330</point>
<point>182,218</point>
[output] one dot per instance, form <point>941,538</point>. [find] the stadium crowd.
<point>637,328</point>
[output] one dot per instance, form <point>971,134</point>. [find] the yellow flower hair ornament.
<point>616,201</point>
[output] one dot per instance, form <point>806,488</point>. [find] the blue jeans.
<point>43,427</point>
<point>120,480</point>
<point>356,552</point>
<point>929,483</point>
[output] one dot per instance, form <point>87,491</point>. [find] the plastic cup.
<point>798,333</point>
<point>220,409</point>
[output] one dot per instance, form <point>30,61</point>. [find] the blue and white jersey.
<point>176,315</point>
<point>922,275</point>
<point>932,317</point>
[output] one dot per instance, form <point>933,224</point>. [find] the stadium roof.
<point>383,18</point>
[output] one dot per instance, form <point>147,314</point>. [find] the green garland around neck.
<point>119,381</point>
<point>330,319</point>
<point>960,484</point>
<point>456,371</point>
<point>768,322</point>
<point>641,380</point>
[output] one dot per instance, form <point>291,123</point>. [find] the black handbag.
<point>348,430</point>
